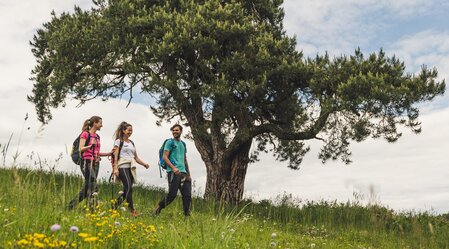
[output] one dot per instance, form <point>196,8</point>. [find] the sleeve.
<point>168,145</point>
<point>84,135</point>
<point>117,143</point>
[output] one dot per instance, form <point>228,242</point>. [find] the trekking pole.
<point>111,181</point>
<point>92,171</point>
<point>160,171</point>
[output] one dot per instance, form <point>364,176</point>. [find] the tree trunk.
<point>226,175</point>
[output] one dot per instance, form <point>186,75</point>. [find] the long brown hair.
<point>118,134</point>
<point>90,122</point>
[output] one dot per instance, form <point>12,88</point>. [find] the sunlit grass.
<point>33,214</point>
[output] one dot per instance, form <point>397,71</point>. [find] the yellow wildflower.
<point>91,239</point>
<point>83,235</point>
<point>39,235</point>
<point>38,244</point>
<point>23,242</point>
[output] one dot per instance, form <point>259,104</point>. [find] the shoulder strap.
<point>165,141</point>
<point>132,142</point>
<point>120,149</point>
<point>87,140</point>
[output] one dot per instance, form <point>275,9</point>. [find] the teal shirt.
<point>177,155</point>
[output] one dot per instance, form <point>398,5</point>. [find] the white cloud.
<point>340,26</point>
<point>426,47</point>
<point>408,174</point>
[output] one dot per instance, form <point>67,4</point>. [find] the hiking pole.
<point>91,169</point>
<point>111,181</point>
<point>160,171</point>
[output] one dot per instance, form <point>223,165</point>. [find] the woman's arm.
<point>115,165</point>
<point>106,153</point>
<point>81,146</point>
<point>139,161</point>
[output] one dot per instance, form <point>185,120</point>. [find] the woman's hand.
<point>115,171</point>
<point>146,165</point>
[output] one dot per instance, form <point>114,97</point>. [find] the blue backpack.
<point>162,163</point>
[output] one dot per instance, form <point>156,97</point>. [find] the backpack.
<point>162,163</point>
<point>75,153</point>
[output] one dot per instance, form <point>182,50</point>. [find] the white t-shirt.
<point>128,150</point>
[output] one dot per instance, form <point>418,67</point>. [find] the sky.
<point>409,175</point>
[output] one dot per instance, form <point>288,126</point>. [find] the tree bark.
<point>226,175</point>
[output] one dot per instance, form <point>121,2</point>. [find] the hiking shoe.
<point>134,213</point>
<point>157,211</point>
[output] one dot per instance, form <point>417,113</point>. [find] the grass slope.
<point>31,202</point>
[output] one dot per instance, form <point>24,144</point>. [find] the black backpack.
<point>75,153</point>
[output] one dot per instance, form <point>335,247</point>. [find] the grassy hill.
<point>31,202</point>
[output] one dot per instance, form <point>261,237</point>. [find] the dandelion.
<point>91,239</point>
<point>74,229</point>
<point>94,193</point>
<point>273,244</point>
<point>273,235</point>
<point>83,235</point>
<point>121,192</point>
<point>39,235</point>
<point>6,209</point>
<point>312,245</point>
<point>123,208</point>
<point>117,223</point>
<point>55,227</point>
<point>213,219</point>
<point>38,244</point>
<point>22,242</point>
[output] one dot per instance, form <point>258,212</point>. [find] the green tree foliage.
<point>228,70</point>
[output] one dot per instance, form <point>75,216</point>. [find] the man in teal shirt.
<point>178,173</point>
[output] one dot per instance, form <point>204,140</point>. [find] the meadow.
<point>33,214</point>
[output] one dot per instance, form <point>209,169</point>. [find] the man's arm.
<point>187,165</point>
<point>167,161</point>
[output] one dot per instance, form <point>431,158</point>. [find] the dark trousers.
<point>127,179</point>
<point>90,173</point>
<point>176,182</point>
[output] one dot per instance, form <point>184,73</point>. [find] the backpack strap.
<point>85,143</point>
<point>119,149</point>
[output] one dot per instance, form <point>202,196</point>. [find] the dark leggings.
<point>176,182</point>
<point>127,179</point>
<point>90,173</point>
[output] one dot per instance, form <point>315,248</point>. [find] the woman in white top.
<point>125,158</point>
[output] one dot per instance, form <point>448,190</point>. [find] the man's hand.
<point>176,171</point>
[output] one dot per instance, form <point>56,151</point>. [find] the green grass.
<point>32,201</point>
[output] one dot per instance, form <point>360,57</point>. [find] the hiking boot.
<point>134,213</point>
<point>157,211</point>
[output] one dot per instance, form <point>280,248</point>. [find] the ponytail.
<point>90,122</point>
<point>118,134</point>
